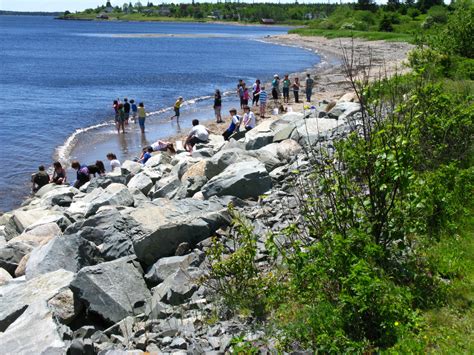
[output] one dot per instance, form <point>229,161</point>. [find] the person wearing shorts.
<point>218,106</point>
<point>198,134</point>
<point>176,107</point>
<point>141,116</point>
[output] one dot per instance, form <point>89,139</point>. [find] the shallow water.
<point>58,80</point>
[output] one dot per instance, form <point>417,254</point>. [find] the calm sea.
<point>58,80</point>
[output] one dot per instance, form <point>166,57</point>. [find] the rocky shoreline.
<point>115,265</point>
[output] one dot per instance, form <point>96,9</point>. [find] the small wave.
<point>63,151</point>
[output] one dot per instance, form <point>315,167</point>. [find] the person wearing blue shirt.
<point>146,155</point>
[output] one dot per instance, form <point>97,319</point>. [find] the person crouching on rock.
<point>82,174</point>
<point>234,124</point>
<point>197,134</point>
<point>59,174</point>
<point>97,168</point>
<point>146,154</point>
<point>249,118</point>
<point>39,179</point>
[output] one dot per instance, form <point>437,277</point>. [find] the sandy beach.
<point>330,81</point>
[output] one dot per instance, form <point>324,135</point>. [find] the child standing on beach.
<point>141,116</point>
<point>255,92</point>
<point>218,105</point>
<point>245,97</point>
<point>263,101</point>
<point>176,107</point>
<point>134,110</point>
<point>296,89</point>
<point>120,118</point>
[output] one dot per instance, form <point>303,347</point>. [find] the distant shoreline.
<point>177,20</point>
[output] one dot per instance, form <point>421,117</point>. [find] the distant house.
<point>109,9</point>
<point>164,11</point>
<point>308,16</point>
<point>102,16</point>
<point>216,15</point>
<point>267,21</point>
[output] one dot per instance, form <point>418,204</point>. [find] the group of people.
<point>124,110</point>
<point>200,134</point>
<point>83,173</point>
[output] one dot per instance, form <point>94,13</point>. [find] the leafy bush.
<point>438,13</point>
<point>413,12</point>
<point>456,37</point>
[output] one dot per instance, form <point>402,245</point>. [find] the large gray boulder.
<point>17,297</point>
<point>25,218</point>
<point>259,136</point>
<point>113,290</point>
<point>166,187</point>
<point>243,180</point>
<point>177,288</point>
<point>4,276</point>
<point>132,166</point>
<point>11,255</point>
<point>308,131</point>
<point>165,267</point>
<point>158,159</point>
<point>168,223</point>
<point>60,195</point>
<point>190,186</point>
<point>342,110</point>
<point>109,230</point>
<point>70,252</point>
<point>268,159</point>
<point>113,195</point>
<point>17,248</point>
<point>35,331</point>
<point>141,182</point>
<point>28,324</point>
<point>220,161</point>
<point>8,226</point>
<point>285,150</point>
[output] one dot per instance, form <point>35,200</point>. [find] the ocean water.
<point>58,80</point>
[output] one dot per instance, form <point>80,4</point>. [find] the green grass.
<point>449,329</point>
<point>369,35</point>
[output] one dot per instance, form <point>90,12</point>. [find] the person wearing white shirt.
<point>249,119</point>
<point>198,134</point>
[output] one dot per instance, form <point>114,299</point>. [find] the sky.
<point>79,5</point>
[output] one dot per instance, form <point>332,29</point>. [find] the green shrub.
<point>438,13</point>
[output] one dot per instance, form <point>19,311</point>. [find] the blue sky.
<point>78,5</point>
